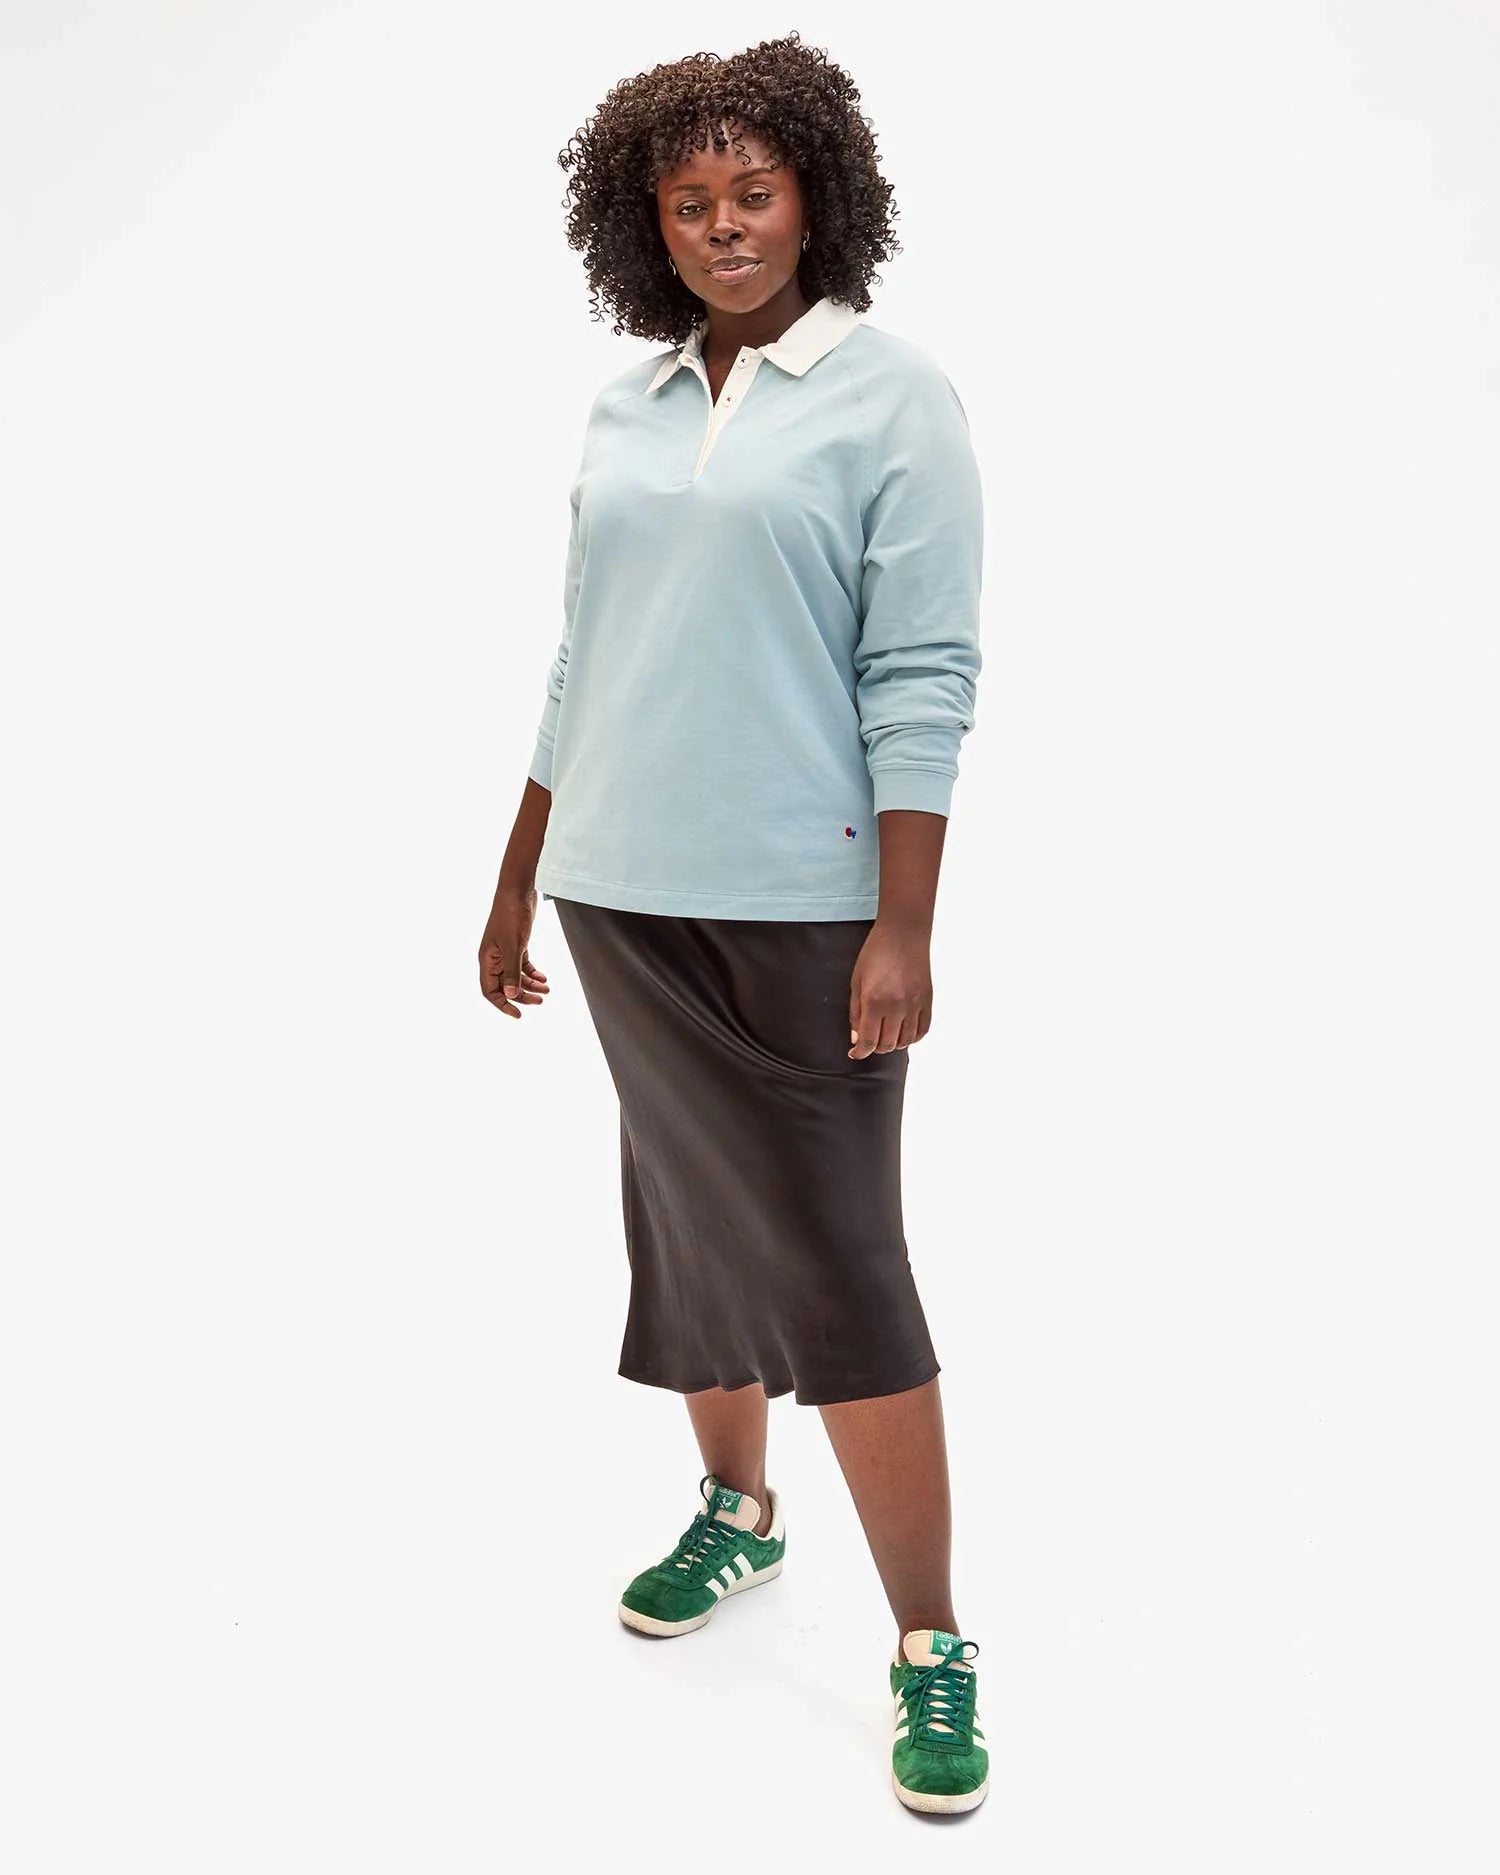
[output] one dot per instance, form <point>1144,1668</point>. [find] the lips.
<point>734,266</point>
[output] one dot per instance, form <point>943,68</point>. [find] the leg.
<point>731,1432</point>
<point>894,1459</point>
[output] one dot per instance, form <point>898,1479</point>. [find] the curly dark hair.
<point>789,95</point>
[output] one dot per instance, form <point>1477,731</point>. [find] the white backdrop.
<point>319,1483</point>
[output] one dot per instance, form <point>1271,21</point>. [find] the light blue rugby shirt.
<point>770,626</point>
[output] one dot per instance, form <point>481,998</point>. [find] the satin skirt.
<point>760,1167</point>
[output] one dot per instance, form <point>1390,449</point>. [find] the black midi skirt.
<point>760,1167</point>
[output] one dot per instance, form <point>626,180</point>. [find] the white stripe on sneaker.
<point>729,1576</point>
<point>743,1567</point>
<point>717,1586</point>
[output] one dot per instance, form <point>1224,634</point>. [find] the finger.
<point>885,1035</point>
<point>521,984</point>
<point>492,975</point>
<point>489,970</point>
<point>504,991</point>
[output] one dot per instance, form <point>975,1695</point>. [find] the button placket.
<point>720,413</point>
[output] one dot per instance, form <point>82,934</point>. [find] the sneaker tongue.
<point>925,1647</point>
<point>734,1508</point>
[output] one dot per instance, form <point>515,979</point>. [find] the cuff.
<point>929,790</point>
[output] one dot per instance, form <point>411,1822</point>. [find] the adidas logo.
<point>731,1573</point>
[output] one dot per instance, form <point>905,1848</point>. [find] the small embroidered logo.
<point>848,833</point>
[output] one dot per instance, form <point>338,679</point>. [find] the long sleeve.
<point>918,656</point>
<point>546,736</point>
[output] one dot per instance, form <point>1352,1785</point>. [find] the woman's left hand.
<point>890,993</point>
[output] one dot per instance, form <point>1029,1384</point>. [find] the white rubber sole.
<point>936,1805</point>
<point>648,1624</point>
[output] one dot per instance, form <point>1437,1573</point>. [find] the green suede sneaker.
<point>717,1555</point>
<point>939,1760</point>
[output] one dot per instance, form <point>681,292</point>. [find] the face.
<point>724,207</point>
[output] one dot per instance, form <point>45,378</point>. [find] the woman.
<point>737,804</point>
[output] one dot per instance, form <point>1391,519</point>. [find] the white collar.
<point>807,339</point>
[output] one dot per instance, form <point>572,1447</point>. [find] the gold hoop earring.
<point>672,263</point>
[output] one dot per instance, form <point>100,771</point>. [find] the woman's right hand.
<point>507,975</point>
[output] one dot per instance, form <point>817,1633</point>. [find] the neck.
<point>728,331</point>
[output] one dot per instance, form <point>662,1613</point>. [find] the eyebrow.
<point>761,169</point>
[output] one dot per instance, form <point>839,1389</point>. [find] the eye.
<point>755,195</point>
